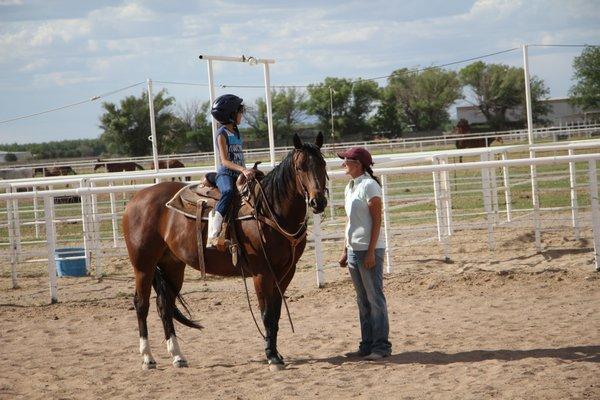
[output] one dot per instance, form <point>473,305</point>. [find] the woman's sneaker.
<point>374,356</point>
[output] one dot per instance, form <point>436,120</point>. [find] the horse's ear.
<point>319,140</point>
<point>297,141</point>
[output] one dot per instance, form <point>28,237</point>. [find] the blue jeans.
<point>226,185</point>
<point>372,307</point>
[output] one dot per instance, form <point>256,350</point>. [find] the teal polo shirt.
<point>357,194</point>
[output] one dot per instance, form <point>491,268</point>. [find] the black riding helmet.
<point>225,108</point>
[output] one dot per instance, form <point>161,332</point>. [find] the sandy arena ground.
<point>511,324</point>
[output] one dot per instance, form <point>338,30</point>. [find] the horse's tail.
<point>139,166</point>
<point>164,291</point>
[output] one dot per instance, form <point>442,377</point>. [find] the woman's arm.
<point>375,212</point>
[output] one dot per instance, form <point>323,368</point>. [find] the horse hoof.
<point>180,363</point>
<point>150,365</point>
<point>276,367</point>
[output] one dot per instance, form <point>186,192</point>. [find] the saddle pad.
<point>185,200</point>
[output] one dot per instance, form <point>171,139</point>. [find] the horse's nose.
<point>313,202</point>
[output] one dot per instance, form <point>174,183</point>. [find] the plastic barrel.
<point>67,265</point>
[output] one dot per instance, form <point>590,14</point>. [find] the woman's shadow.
<point>574,354</point>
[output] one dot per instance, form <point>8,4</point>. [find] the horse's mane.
<point>281,181</point>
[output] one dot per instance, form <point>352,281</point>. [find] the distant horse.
<point>462,128</point>
<point>170,164</point>
<point>55,171</point>
<point>161,242</point>
<point>118,166</point>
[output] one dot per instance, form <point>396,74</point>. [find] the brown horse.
<point>471,143</point>
<point>55,171</point>
<point>161,242</point>
<point>118,166</point>
<point>170,164</point>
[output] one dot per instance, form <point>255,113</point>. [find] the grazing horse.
<point>470,143</point>
<point>161,242</point>
<point>170,164</point>
<point>56,171</point>
<point>118,166</point>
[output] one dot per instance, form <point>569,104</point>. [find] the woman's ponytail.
<point>370,172</point>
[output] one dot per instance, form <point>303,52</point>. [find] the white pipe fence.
<point>93,211</point>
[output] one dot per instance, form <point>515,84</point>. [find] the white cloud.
<point>63,78</point>
<point>64,30</point>
<point>11,2</point>
<point>129,12</point>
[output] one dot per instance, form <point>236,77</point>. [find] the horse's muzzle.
<point>318,204</point>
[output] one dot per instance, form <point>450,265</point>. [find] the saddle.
<point>196,201</point>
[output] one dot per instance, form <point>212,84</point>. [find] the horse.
<point>118,166</point>
<point>161,242</point>
<point>463,127</point>
<point>56,171</point>
<point>170,164</point>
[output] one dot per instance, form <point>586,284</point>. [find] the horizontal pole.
<point>237,59</point>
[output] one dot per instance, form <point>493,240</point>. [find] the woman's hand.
<point>249,173</point>
<point>369,261</point>
<point>344,260</point>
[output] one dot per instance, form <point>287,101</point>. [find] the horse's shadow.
<point>573,354</point>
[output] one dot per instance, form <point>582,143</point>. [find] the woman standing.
<point>364,251</point>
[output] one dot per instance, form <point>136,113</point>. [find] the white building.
<point>561,113</point>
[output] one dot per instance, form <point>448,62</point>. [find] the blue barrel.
<point>66,265</point>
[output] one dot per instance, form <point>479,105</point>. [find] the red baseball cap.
<point>358,153</point>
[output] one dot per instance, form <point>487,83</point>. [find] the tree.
<point>586,92</point>
<point>126,128</point>
<point>288,106</point>
<point>423,98</point>
<point>197,126</point>
<point>353,103</point>
<point>499,88</point>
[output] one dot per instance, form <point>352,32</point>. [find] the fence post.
<point>536,204</point>
<point>35,213</point>
<point>97,244</point>
<point>446,196</point>
<point>12,241</point>
<point>487,202</point>
<point>113,212</point>
<point>507,194</point>
<point>318,249</point>
<point>386,222</point>
<point>593,186</point>
<point>85,221</point>
<point>50,246</point>
<point>573,184</point>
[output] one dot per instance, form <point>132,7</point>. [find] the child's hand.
<point>249,173</point>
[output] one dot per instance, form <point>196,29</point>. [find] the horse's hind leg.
<point>168,282</point>
<point>141,302</point>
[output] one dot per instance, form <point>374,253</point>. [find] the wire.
<point>93,98</point>
<point>563,45</point>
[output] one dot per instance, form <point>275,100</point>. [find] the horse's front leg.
<point>270,306</point>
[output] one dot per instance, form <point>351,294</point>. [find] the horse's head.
<point>311,172</point>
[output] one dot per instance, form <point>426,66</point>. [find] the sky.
<point>56,53</point>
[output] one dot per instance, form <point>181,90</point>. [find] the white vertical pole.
<point>269,113</point>
<point>12,240</point>
<point>386,222</point>
<point>573,184</point>
<point>152,126</point>
<point>507,194</point>
<point>97,243</point>
<point>447,196</point>
<point>534,191</point>
<point>593,178</point>
<point>438,206</point>
<point>17,228</point>
<point>318,249</point>
<point>35,213</point>
<point>212,97</point>
<point>113,212</point>
<point>487,203</point>
<point>494,190</point>
<point>50,246</point>
<point>85,221</point>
